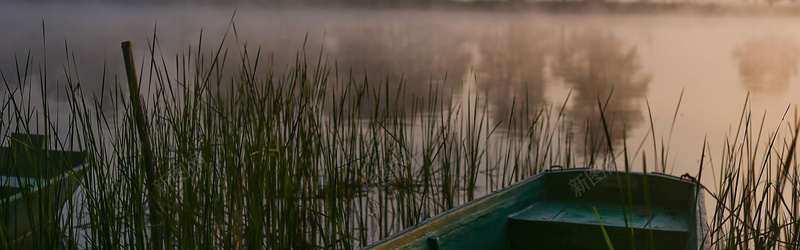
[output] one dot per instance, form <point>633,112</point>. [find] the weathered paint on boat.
<point>549,211</point>
<point>34,181</point>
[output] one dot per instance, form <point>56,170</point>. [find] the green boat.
<point>564,209</point>
<point>34,182</point>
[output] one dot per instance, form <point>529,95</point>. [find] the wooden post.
<point>147,150</point>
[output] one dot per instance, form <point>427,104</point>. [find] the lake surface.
<point>512,59</point>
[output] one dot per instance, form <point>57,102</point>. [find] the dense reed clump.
<point>756,183</point>
<point>271,159</point>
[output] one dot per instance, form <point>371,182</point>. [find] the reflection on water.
<point>515,61</point>
<point>521,60</point>
<point>768,62</point>
<point>408,60</point>
<point>511,71</point>
<point>596,65</point>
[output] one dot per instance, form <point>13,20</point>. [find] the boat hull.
<point>547,211</point>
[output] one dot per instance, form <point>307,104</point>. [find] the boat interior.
<point>661,217</point>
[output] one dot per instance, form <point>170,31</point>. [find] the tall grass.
<point>286,159</point>
<point>756,198</point>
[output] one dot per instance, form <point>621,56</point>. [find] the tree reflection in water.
<point>400,62</point>
<point>511,72</point>
<point>594,64</point>
<point>767,62</point>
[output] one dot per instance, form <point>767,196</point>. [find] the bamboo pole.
<point>147,150</point>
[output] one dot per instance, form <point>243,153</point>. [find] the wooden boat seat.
<point>573,224</point>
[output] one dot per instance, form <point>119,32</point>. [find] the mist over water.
<point>517,61</point>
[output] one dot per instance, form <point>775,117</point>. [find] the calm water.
<point>535,57</point>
